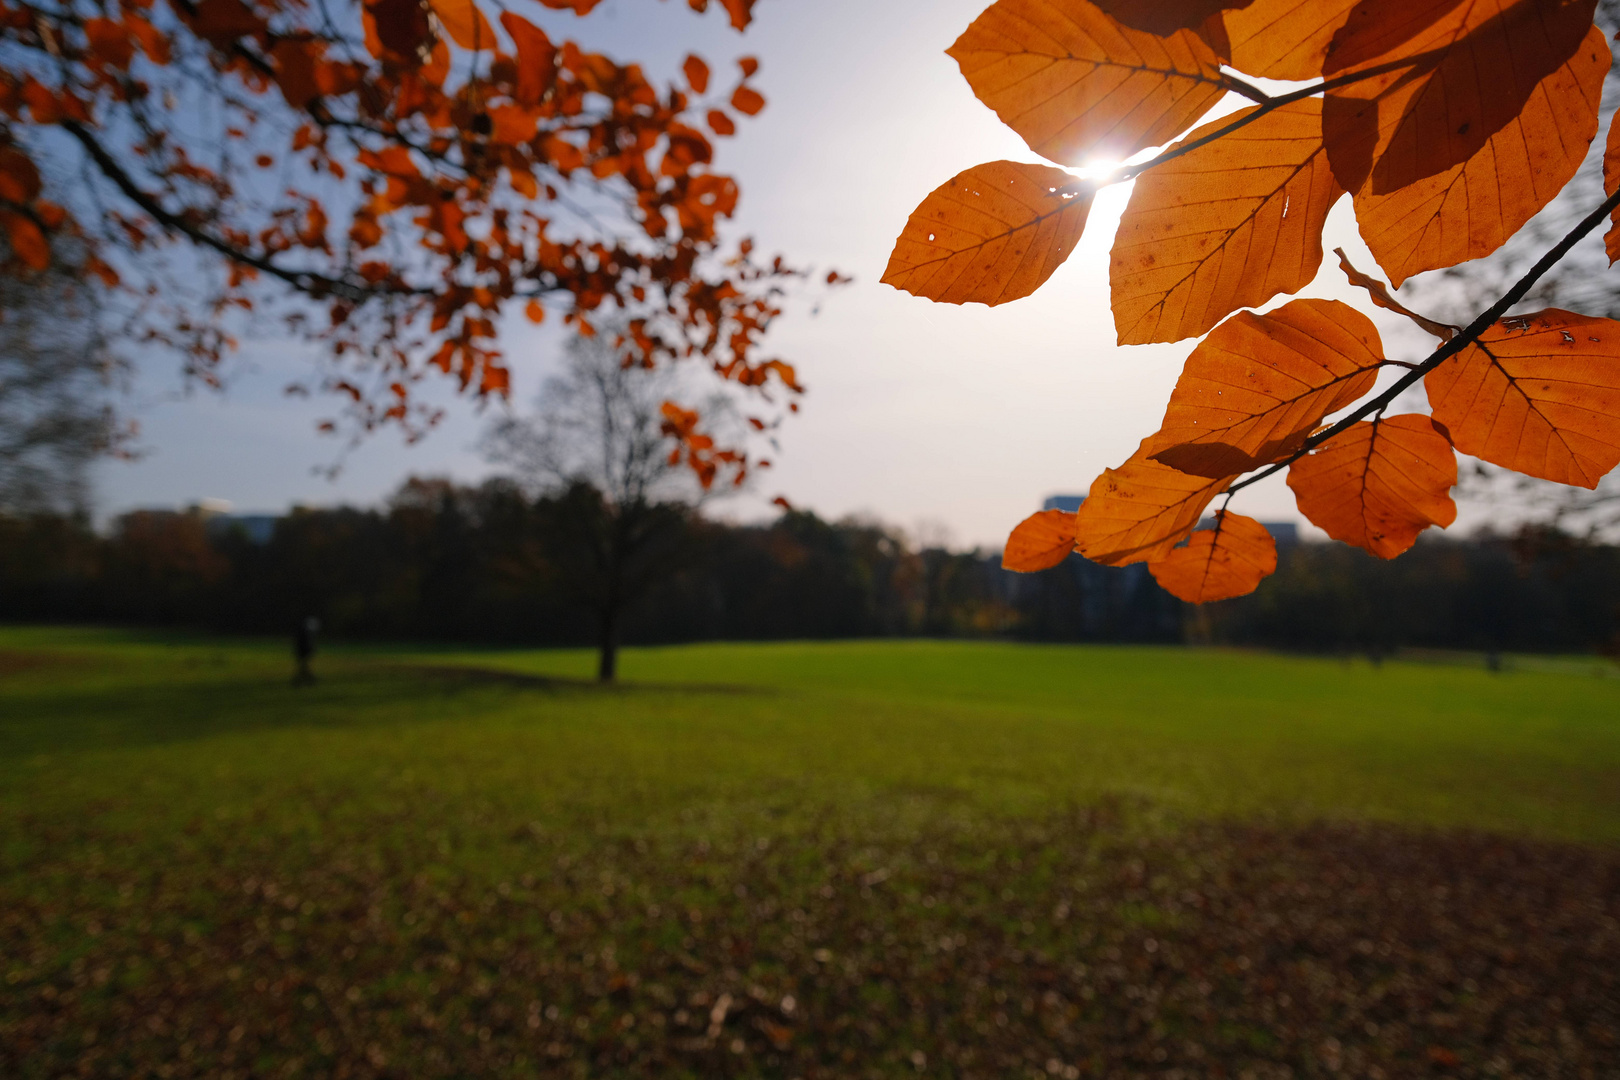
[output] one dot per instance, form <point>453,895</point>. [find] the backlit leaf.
<point>1467,69</point>
<point>222,21</point>
<point>1284,39</point>
<point>295,70</point>
<point>1379,293</point>
<point>1228,225</point>
<point>991,234</point>
<point>1141,510</point>
<point>697,74</point>
<point>536,59</point>
<point>1611,182</point>
<point>465,23</point>
<point>28,243</point>
<point>1075,84</point>
<point>720,123</point>
<point>1254,389</point>
<point>1538,394</point>
<point>1379,483</point>
<point>400,27</point>
<point>1164,17</point>
<point>19,178</point>
<point>1471,209</point>
<point>1040,542</point>
<point>1217,564</point>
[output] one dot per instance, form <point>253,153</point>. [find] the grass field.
<point>897,858</point>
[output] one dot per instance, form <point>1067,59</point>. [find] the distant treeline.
<point>489,564</point>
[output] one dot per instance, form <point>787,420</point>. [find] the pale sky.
<point>925,415</point>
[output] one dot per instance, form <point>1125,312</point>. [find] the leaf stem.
<point>1470,334</point>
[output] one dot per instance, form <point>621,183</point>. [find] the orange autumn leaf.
<point>1379,483</point>
<point>1470,210</point>
<point>1041,541</point>
<point>1075,84</point>
<point>1284,39</point>
<point>1230,224</point>
<point>1611,183</point>
<point>1254,390</point>
<point>1217,564</point>
<point>1538,394</point>
<point>1460,72</point>
<point>465,23</point>
<point>513,124</point>
<point>536,59</point>
<point>720,123</point>
<point>295,70</point>
<point>1164,17</point>
<point>747,100</point>
<point>109,41</point>
<point>991,234</point>
<point>222,21</point>
<point>28,243</point>
<point>697,74</point>
<point>19,178</point>
<point>400,27</point>
<point>1141,510</point>
<point>1380,295</point>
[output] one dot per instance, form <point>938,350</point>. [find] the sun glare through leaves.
<point>1448,125</point>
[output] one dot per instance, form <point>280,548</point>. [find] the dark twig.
<point>306,281</point>
<point>1266,104</point>
<point>1470,334</point>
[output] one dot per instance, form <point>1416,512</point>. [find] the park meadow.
<point>824,859</point>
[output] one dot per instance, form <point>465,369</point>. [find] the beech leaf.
<point>1379,483</point>
<point>1255,389</point>
<point>1141,510</point>
<point>697,74</point>
<point>1611,182</point>
<point>1076,84</point>
<point>536,59</point>
<point>1462,72</point>
<point>1041,541</point>
<point>465,23</point>
<point>1380,295</point>
<point>1217,564</point>
<point>1227,225</point>
<point>1165,17</point>
<point>1283,39</point>
<point>1470,210</point>
<point>28,243</point>
<point>991,234</point>
<point>1538,394</point>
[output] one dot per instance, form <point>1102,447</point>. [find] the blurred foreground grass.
<point>448,863</point>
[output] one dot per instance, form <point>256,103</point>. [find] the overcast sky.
<point>926,415</point>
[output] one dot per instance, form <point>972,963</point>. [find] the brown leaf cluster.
<point>1449,125</point>
<point>431,168</point>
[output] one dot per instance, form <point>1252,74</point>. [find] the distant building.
<point>258,528</point>
<point>1285,533</point>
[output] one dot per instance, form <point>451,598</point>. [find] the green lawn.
<point>205,869</point>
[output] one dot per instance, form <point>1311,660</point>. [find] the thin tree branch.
<point>1267,104</point>
<point>1469,335</point>
<point>306,281</point>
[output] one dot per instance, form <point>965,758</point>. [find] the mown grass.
<point>434,862</point>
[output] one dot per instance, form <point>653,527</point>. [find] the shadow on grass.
<point>62,702</point>
<point>470,674</point>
